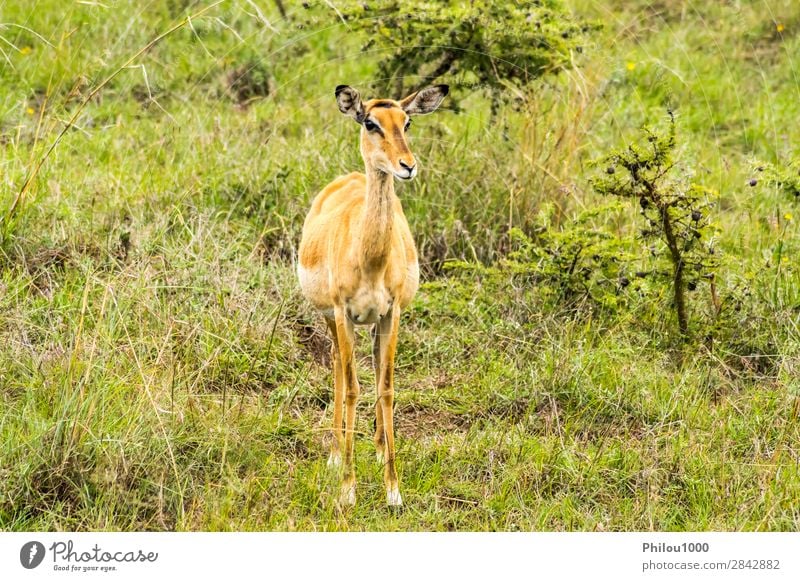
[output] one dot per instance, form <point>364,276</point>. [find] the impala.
<point>358,266</point>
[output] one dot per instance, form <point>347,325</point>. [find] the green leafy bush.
<point>676,212</point>
<point>495,46</point>
<point>573,263</point>
<point>785,178</point>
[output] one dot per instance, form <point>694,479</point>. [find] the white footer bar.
<point>401,556</point>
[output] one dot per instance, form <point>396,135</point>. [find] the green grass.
<point>159,369</point>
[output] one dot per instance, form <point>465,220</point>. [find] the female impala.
<point>358,266</point>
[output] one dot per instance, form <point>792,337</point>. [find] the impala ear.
<point>425,100</point>
<point>349,102</point>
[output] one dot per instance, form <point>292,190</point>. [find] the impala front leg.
<point>388,329</point>
<point>335,458</point>
<point>346,339</point>
<point>380,439</point>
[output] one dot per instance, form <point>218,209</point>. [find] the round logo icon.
<point>31,554</point>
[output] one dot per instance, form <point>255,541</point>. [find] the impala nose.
<point>411,169</point>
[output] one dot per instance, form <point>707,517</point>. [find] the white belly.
<point>314,284</point>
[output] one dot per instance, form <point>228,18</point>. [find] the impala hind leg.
<point>346,338</point>
<point>388,328</point>
<point>380,438</point>
<point>337,443</point>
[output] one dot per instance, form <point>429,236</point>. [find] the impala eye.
<point>369,125</point>
<point>408,124</point>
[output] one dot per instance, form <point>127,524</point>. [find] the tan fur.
<point>358,266</point>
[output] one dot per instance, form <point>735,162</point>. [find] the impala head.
<point>384,123</point>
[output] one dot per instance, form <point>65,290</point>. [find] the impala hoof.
<point>393,497</point>
<point>348,495</point>
<point>334,461</point>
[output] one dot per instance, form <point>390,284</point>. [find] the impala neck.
<point>377,221</point>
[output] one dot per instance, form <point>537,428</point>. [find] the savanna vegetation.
<point>606,337</point>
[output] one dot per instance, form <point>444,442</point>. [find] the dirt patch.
<point>277,246</point>
<point>315,341</point>
<point>432,383</point>
<point>413,420</point>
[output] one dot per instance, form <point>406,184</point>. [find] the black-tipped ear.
<point>349,102</point>
<point>425,100</point>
